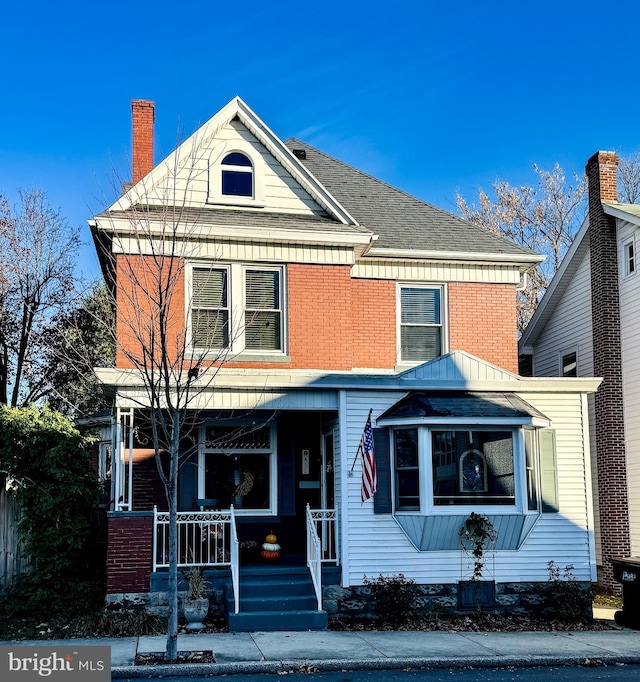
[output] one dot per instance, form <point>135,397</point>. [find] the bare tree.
<point>629,179</point>
<point>543,217</point>
<point>37,257</point>
<point>146,242</point>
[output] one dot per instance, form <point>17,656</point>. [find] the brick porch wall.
<point>129,552</point>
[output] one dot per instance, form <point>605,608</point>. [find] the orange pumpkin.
<point>270,555</point>
<point>271,538</point>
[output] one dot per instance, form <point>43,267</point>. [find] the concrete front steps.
<point>274,597</point>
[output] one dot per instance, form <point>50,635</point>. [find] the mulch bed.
<point>183,657</point>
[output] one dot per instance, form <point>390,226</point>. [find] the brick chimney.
<point>607,353</point>
<point>143,118</point>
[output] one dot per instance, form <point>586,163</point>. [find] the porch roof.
<point>463,404</point>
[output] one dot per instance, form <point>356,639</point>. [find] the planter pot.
<point>474,595</point>
<point>195,611</point>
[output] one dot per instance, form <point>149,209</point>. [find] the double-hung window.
<point>421,335</point>
<point>237,308</point>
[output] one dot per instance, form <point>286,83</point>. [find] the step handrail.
<point>314,557</point>
<point>235,562</point>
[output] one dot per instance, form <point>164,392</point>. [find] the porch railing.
<point>314,557</point>
<point>325,523</point>
<point>235,562</point>
<point>204,539</point>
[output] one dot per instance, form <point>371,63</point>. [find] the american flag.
<point>369,478</point>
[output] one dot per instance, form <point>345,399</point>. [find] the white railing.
<point>204,539</point>
<point>325,523</point>
<point>235,562</point>
<point>314,557</point>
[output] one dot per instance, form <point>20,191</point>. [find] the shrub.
<point>564,597</point>
<point>394,597</point>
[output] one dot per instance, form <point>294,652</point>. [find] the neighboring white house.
<point>588,324</point>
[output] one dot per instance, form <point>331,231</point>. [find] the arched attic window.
<point>237,175</point>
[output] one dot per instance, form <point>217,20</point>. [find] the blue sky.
<point>428,97</point>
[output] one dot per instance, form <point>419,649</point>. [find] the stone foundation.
<point>355,602</point>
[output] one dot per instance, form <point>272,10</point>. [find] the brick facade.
<point>129,552</point>
<point>607,363</point>
<point>143,116</point>
<point>335,322</point>
<point>138,281</point>
<point>482,321</point>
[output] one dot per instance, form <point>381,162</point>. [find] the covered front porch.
<point>242,477</point>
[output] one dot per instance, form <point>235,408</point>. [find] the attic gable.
<point>189,177</point>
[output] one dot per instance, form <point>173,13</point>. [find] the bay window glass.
<point>473,467</point>
<point>407,469</point>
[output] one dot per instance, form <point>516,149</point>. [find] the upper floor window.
<point>237,175</point>
<point>629,258</point>
<point>569,365</point>
<point>420,323</point>
<point>237,307</point>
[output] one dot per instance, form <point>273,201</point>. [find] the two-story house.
<point>310,296</point>
<point>586,325</point>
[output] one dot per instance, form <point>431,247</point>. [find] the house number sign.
<point>305,462</point>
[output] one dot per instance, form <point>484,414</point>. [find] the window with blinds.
<point>420,323</point>
<point>210,308</point>
<point>263,313</point>
<point>238,308</point>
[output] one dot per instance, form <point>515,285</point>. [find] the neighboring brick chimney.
<point>607,363</point>
<point>143,118</point>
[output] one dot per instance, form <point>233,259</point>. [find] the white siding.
<point>630,333</point>
<point>436,272</point>
<point>377,544</point>
<point>568,329</point>
<point>192,185</point>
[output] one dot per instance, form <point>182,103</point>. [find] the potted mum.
<point>477,538</point>
<point>196,604</point>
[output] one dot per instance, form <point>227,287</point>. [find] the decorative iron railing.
<point>204,539</point>
<point>325,522</point>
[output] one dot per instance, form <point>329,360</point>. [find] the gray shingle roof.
<point>217,216</point>
<point>400,220</point>
<point>419,404</point>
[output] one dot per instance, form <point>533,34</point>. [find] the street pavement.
<point>253,652</point>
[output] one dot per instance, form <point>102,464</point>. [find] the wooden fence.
<point>12,559</point>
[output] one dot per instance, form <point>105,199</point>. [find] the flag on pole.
<point>369,478</point>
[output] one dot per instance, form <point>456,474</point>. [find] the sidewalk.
<point>278,651</point>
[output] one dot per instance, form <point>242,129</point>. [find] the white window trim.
<point>273,469</point>
<point>425,469</point>
<point>631,242</point>
<point>236,307</point>
<point>562,354</point>
<point>215,195</point>
<point>444,320</point>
